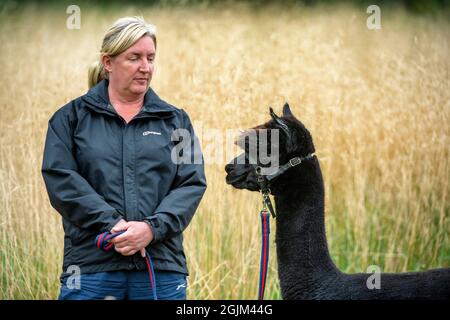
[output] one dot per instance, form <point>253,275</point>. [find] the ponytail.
<point>96,73</point>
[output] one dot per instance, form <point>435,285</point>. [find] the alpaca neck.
<point>303,258</point>
<point>305,268</point>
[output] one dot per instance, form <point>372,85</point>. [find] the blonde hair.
<point>121,35</point>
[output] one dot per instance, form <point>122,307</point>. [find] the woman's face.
<point>131,71</point>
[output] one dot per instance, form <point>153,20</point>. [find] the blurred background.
<point>377,103</point>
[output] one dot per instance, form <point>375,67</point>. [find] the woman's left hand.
<point>137,236</point>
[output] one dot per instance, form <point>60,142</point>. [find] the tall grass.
<point>376,102</point>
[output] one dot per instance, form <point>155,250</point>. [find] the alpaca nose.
<point>235,179</point>
<point>229,167</point>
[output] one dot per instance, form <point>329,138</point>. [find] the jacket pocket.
<point>155,139</point>
<point>76,234</point>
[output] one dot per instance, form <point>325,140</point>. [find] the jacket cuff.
<point>154,224</point>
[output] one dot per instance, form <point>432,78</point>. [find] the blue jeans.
<point>120,285</point>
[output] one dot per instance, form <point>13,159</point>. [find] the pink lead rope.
<point>265,224</point>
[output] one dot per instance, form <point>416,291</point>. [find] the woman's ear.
<point>107,63</point>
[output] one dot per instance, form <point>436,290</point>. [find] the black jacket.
<point>98,170</point>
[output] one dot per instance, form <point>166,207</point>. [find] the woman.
<point>108,167</point>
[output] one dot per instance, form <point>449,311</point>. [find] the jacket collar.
<point>97,99</point>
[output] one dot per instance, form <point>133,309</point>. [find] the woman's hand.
<point>119,226</point>
<point>137,236</point>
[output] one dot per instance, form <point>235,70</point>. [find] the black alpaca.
<point>305,268</point>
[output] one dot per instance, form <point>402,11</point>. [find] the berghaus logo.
<point>146,133</point>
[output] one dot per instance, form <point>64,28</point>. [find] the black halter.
<point>265,181</point>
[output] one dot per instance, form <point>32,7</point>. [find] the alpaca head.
<point>286,135</point>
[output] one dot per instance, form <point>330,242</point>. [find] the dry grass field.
<point>377,103</point>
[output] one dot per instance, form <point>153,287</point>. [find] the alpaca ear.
<point>273,114</point>
<point>280,122</point>
<point>287,111</point>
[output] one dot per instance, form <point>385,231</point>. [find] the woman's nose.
<point>145,66</point>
